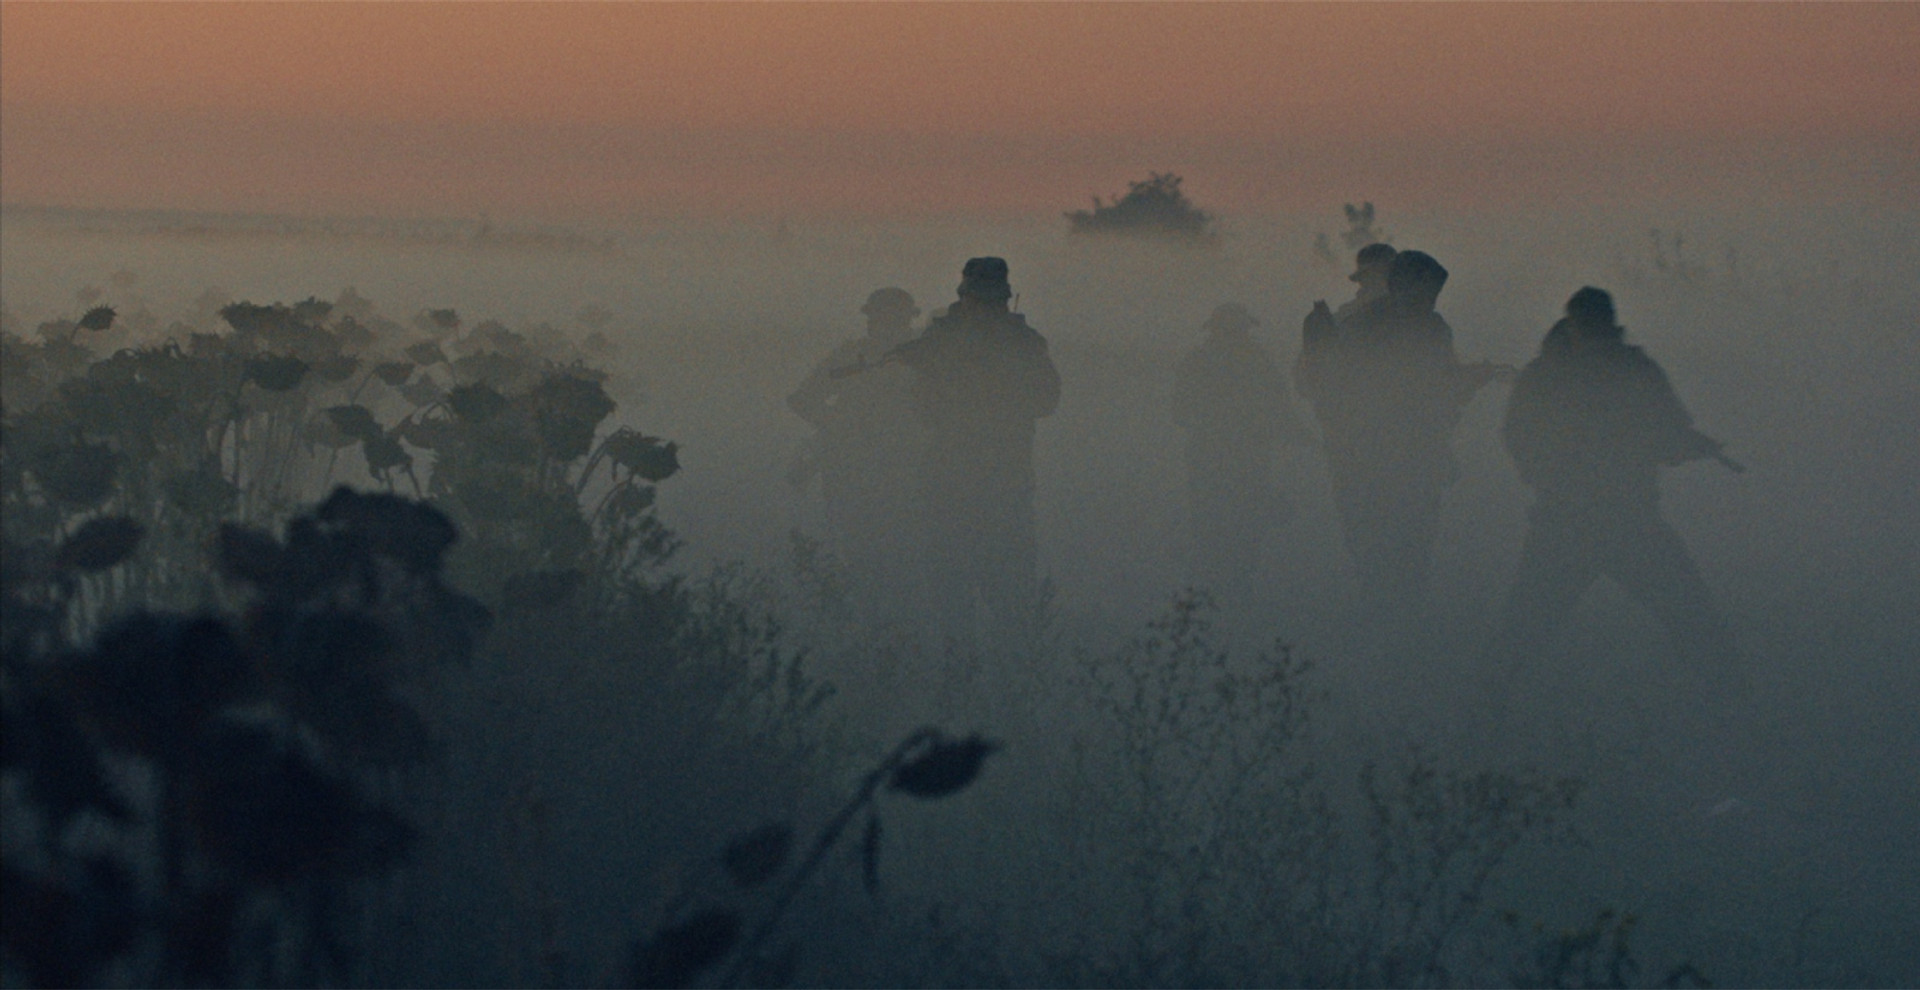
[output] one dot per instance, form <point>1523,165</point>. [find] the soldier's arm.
<point>1527,430</point>
<point>1471,378</point>
<point>914,353</point>
<point>1676,440</point>
<point>811,400</point>
<point>1319,335</point>
<point>1693,445</point>
<point>1454,383</point>
<point>1043,382</point>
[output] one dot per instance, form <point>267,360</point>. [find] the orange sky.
<point>571,109</point>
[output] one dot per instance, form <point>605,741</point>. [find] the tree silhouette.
<point>1152,207</point>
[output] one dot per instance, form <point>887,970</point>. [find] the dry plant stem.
<point>823,844</point>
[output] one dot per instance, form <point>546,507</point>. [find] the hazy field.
<point>1793,337</point>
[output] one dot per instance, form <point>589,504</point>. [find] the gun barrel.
<point>848,371</point>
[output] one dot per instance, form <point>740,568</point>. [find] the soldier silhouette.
<point>1387,390</point>
<point>1370,268</point>
<point>982,377</point>
<point>1231,401</point>
<point>1591,421</point>
<point>867,455</point>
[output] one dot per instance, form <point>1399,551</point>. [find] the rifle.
<point>898,354</point>
<point>1707,448</point>
<point>863,365</point>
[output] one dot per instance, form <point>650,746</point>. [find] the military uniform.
<point>868,457</point>
<point>1388,390</point>
<point>982,377</point>
<point>1230,400</point>
<point>1591,421</point>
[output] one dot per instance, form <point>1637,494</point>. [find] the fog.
<point>1763,838</point>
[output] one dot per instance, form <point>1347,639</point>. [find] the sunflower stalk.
<point>823,844</point>
<point>926,765</point>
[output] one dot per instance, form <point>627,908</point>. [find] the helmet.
<point>1373,256</point>
<point>890,302</point>
<point>1230,317</point>
<point>985,278</point>
<point>1414,271</point>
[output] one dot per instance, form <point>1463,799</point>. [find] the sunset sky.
<point>570,110</point>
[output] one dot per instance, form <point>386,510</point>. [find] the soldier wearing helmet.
<point>866,453</point>
<point>1370,268</point>
<point>1231,400</point>
<point>1388,389</point>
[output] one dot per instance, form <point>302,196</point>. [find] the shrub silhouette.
<point>270,710</point>
<point>1153,207</point>
<point>1245,864</point>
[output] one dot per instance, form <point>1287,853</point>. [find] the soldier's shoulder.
<point>940,331</point>
<point>1641,367</point>
<point>1634,358</point>
<point>1017,322</point>
<point>845,353</point>
<point>1531,372</point>
<point>1614,361</point>
<point>1354,314</point>
<point>1023,334</point>
<point>1363,308</point>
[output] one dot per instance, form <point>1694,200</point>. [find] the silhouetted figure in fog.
<point>1231,401</point>
<point>1370,268</point>
<point>1591,421</point>
<point>868,456</point>
<point>981,379</point>
<point>1387,390</point>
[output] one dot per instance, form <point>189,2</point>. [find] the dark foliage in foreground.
<point>205,716</point>
<point>213,696</point>
<point>243,749</point>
